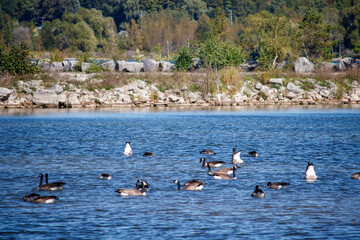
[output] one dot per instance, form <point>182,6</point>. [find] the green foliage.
<point>17,62</point>
<point>216,54</point>
<point>154,95</point>
<point>57,55</point>
<point>94,68</point>
<point>183,59</point>
<point>357,48</point>
<point>84,57</point>
<point>315,35</point>
<point>262,95</point>
<point>138,56</point>
<point>307,85</point>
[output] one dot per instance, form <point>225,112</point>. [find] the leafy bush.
<point>218,54</point>
<point>57,55</point>
<point>183,59</point>
<point>307,85</point>
<point>94,68</point>
<point>17,62</point>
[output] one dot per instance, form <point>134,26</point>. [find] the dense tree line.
<point>269,31</point>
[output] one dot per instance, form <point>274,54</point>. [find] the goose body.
<point>139,190</point>
<point>220,175</point>
<point>356,176</point>
<point>56,186</point>
<point>236,159</point>
<point>36,198</point>
<point>148,154</point>
<point>128,150</point>
<point>105,176</point>
<point>191,186</point>
<point>258,193</point>
<point>228,170</point>
<point>310,172</point>
<point>207,151</point>
<point>190,181</point>
<point>253,154</point>
<point>131,192</point>
<point>212,163</point>
<point>277,185</point>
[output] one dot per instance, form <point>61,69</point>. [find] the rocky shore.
<point>65,94</point>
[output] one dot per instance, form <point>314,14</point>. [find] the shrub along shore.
<point>229,86</point>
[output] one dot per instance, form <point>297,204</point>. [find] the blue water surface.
<point>76,146</point>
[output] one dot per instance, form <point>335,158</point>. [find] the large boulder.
<point>248,67</point>
<point>240,98</point>
<point>258,86</point>
<point>45,66</point>
<point>45,98</point>
<point>151,65</point>
<point>4,93</point>
<point>57,89</point>
<point>56,67</point>
<point>290,95</point>
<point>303,65</point>
<point>73,100</point>
<point>109,66</point>
<point>328,66</point>
<point>69,66</point>
<point>344,64</point>
<point>85,66</point>
<point>278,81</point>
<point>166,66</point>
<point>133,67</point>
<point>293,88</point>
<point>29,86</point>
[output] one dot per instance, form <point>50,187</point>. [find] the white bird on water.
<point>128,150</point>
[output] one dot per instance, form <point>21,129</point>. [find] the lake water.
<point>75,146</point>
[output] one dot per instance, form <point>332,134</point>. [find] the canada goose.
<point>143,185</point>
<point>139,190</point>
<point>228,170</point>
<point>193,186</point>
<point>190,181</point>
<point>148,154</point>
<point>212,163</point>
<point>216,175</point>
<point>253,154</point>
<point>128,150</point>
<point>356,176</point>
<point>105,176</point>
<point>131,192</point>
<point>36,198</point>
<point>207,151</point>
<point>57,186</point>
<point>47,179</point>
<point>236,159</point>
<point>258,193</point>
<point>310,172</point>
<point>277,185</point>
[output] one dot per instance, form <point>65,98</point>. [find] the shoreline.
<point>76,90</point>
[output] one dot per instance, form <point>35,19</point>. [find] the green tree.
<point>216,54</point>
<point>315,36</point>
<point>16,62</point>
<point>204,28</point>
<point>195,7</point>
<point>357,48</point>
<point>351,23</point>
<point>47,36</point>
<point>183,59</point>
<point>276,40</point>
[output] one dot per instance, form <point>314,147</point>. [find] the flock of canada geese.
<point>141,187</point>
